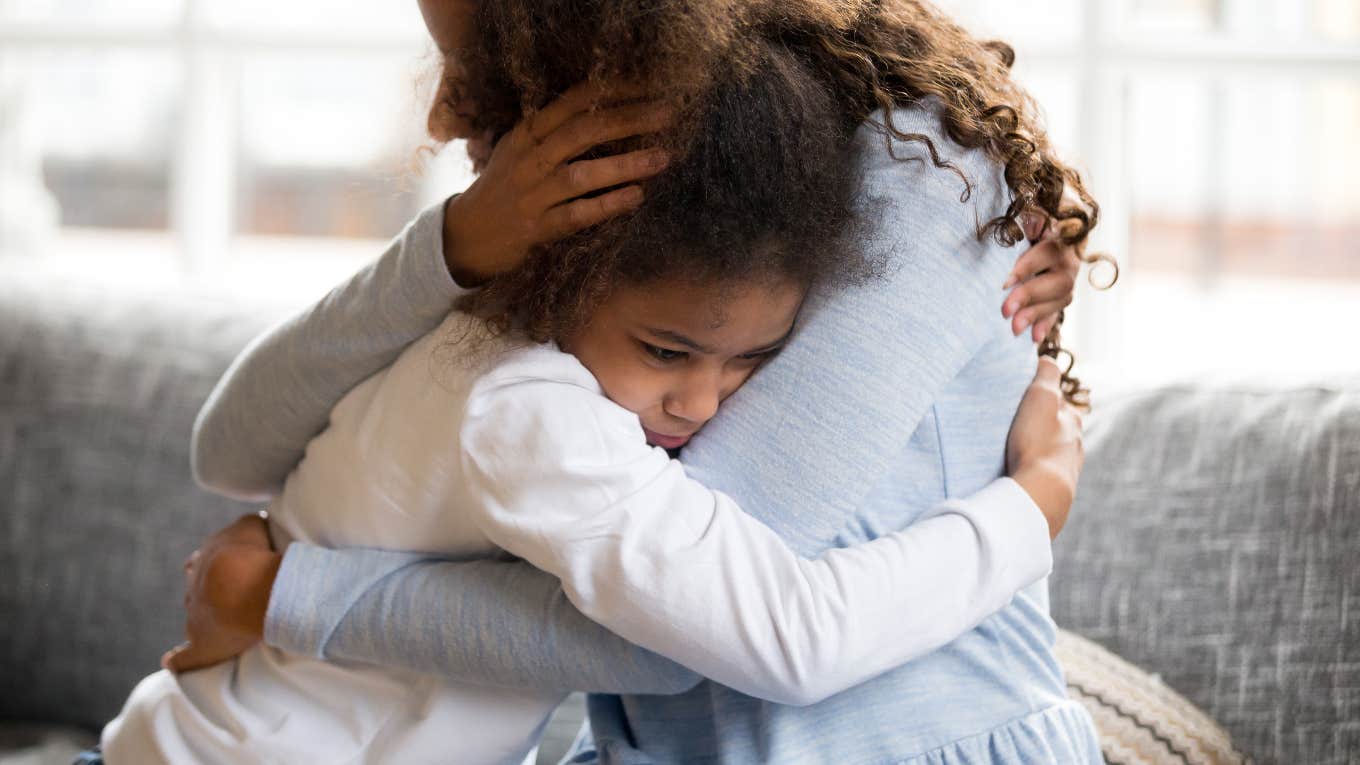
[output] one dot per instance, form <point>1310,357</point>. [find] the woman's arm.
<point>278,393</point>
<point>520,613</point>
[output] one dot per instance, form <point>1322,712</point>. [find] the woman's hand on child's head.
<point>1044,279</point>
<point>1044,451</point>
<point>228,581</point>
<point>531,191</point>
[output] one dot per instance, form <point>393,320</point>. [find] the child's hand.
<point>229,578</point>
<point>1044,452</point>
<point>1044,279</point>
<point>530,191</point>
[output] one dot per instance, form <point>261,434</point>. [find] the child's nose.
<point>696,403</point>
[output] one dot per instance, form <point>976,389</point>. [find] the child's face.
<point>672,353</point>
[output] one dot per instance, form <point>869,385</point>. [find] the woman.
<point>890,398</point>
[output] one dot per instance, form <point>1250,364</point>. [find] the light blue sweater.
<point>891,398</point>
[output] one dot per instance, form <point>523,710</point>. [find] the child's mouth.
<point>665,442</point>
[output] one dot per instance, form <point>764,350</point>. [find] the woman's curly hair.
<point>865,55</point>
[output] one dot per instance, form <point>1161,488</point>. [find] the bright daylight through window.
<point>1218,135</point>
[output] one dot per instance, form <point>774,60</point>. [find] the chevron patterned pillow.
<point>1141,721</point>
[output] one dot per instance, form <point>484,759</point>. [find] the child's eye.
<point>760,355</point>
<point>663,354</point>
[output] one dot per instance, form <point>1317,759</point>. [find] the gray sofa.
<point>1216,540</point>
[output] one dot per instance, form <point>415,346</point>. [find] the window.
<point>1219,136</point>
<point>214,131</point>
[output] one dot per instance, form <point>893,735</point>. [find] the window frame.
<point>203,182</point>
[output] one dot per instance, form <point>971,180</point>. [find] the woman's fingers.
<point>187,657</point>
<point>575,100</point>
<point>527,193</point>
<point>578,178</point>
<point>246,529</point>
<point>573,216</point>
<point>170,659</point>
<point>584,131</point>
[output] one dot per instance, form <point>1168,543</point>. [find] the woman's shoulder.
<point>901,147</point>
<point>924,118</point>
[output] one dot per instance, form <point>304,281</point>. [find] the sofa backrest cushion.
<point>98,393</point>
<point>1216,541</point>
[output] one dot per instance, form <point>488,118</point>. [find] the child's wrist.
<point>1050,489</point>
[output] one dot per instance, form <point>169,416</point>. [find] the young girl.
<point>523,424</point>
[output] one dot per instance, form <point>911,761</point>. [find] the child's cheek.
<point>643,390</point>
<point>630,384</point>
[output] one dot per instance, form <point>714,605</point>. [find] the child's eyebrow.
<point>769,347</point>
<point>678,339</point>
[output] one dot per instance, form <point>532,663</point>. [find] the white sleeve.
<point>570,485</point>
